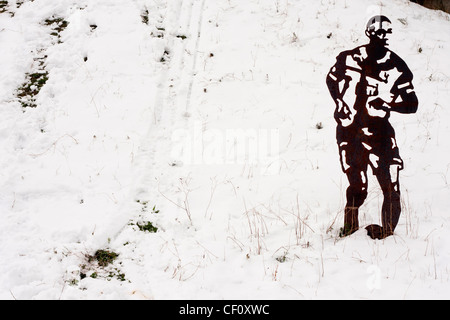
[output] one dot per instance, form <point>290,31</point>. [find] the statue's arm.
<point>338,83</point>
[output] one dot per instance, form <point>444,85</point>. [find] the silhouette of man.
<point>367,84</point>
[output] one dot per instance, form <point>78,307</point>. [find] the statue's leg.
<point>356,195</point>
<point>388,178</point>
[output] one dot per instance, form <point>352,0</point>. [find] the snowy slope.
<point>211,120</point>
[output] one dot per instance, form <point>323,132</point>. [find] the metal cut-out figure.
<point>367,84</point>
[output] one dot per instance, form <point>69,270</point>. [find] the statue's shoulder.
<point>355,55</point>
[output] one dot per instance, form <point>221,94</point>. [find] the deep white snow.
<point>211,120</point>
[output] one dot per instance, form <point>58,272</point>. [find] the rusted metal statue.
<point>367,84</point>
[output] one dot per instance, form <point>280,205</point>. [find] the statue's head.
<point>378,29</point>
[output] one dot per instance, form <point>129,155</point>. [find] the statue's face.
<point>378,33</point>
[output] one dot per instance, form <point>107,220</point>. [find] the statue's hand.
<point>379,104</point>
<point>343,114</point>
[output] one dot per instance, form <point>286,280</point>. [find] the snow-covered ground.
<point>211,120</point>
